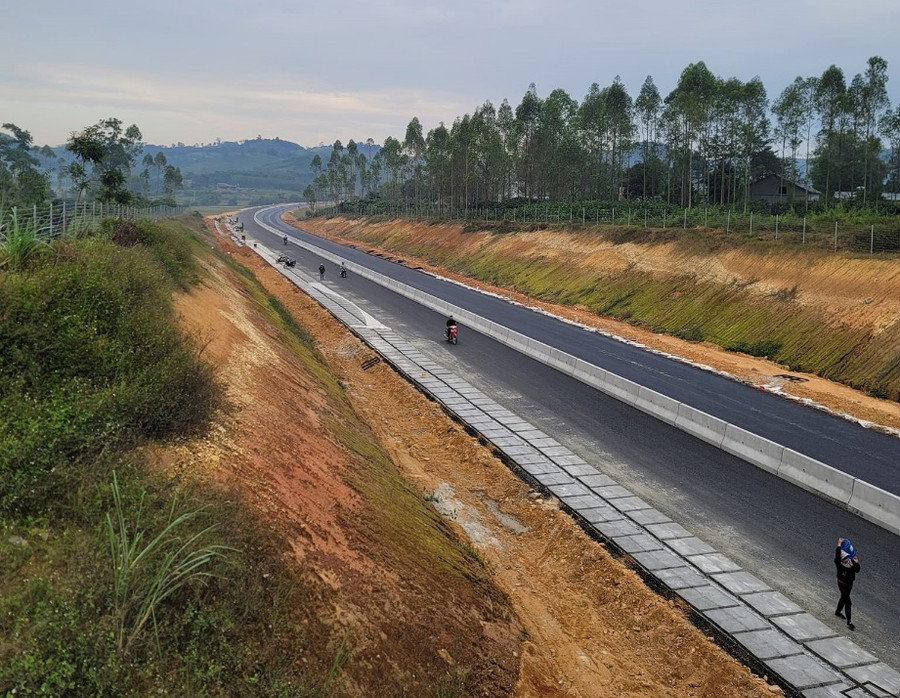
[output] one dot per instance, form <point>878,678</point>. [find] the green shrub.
<point>765,348</point>
<point>90,359</point>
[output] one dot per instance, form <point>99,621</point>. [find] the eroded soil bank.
<point>559,615</point>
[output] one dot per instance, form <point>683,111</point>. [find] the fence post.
<point>582,215</point>
<point>872,241</point>
<point>613,221</point>
<point>835,236</point>
<point>804,230</point>
<point>728,223</point>
<point>684,225</point>
<point>751,222</point>
<point>645,218</point>
<point>776,226</point>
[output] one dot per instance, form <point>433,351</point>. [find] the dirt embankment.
<point>843,291</point>
<point>581,623</point>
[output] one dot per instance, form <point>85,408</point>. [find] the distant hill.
<point>261,169</point>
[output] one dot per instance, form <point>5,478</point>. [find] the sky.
<point>194,71</point>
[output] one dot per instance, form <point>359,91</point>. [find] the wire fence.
<point>789,229</point>
<point>50,221</point>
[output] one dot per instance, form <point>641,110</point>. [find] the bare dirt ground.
<point>855,292</point>
<point>586,624</point>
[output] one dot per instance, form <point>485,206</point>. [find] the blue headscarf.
<point>848,552</point>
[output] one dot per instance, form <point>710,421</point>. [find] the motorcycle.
<point>452,334</point>
<point>343,272</point>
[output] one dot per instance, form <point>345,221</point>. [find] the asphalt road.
<point>781,533</point>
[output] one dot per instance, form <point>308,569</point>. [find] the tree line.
<point>101,168</point>
<point>704,143</point>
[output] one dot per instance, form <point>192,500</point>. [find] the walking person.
<point>847,563</point>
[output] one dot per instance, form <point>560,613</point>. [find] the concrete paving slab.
<point>535,466</point>
<point>771,603</point>
<point>803,627</point>
<point>599,480</point>
<point>571,459</point>
<point>835,690</point>
<point>542,442</point>
<point>690,546</point>
<point>647,516</point>
<point>610,529</point>
<point>584,501</point>
<point>715,562</point>
<point>803,671</point>
<point>668,530</point>
<point>880,675</point>
<point>530,434</point>
<point>708,596</point>
<point>637,543</point>
<point>841,652</point>
<point>569,489</point>
<point>736,619</point>
<point>516,451</point>
<point>612,492</point>
<point>580,470</point>
<point>769,644</point>
<point>655,560</point>
<point>557,478</point>
<point>626,504</point>
<point>600,514</point>
<point>740,582</point>
<point>680,579</point>
<point>863,693</point>
<point>556,451</point>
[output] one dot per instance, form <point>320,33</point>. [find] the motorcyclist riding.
<point>451,328</point>
<point>343,270</point>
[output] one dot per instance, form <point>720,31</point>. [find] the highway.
<point>779,532</point>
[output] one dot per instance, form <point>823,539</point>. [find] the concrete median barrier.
<point>876,505</point>
<point>656,404</point>
<point>752,448</point>
<point>815,476</point>
<point>700,424</point>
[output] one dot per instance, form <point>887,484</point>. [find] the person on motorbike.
<point>451,322</point>
<point>285,239</point>
<point>343,270</point>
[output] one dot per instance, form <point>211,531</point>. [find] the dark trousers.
<point>845,604</point>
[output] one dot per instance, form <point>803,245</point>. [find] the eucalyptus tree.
<point>831,108</point>
<point>21,181</point>
<point>791,110</point>
<point>395,161</point>
<point>104,155</point>
<point>414,147</point>
<point>556,147</point>
<point>619,109</point>
<point>438,158</point>
<point>489,161</point>
<point>872,103</point>
<point>686,114</point>
<point>527,115</point>
<point>506,124</point>
<point>890,129</point>
<point>349,161</point>
<point>461,146</point>
<point>753,123</point>
<point>647,110</point>
<point>592,123</point>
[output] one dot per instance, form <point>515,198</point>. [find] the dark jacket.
<point>845,575</point>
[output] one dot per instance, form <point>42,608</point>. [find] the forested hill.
<point>257,168</point>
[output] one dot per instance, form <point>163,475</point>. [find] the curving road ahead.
<point>772,528</point>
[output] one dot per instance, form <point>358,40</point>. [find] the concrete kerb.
<point>873,504</point>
